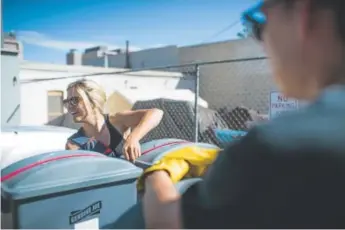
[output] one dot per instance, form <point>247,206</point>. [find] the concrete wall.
<point>232,84</point>
<point>150,58</point>
<point>10,43</point>
<point>10,88</point>
<point>237,84</point>
<point>154,57</point>
<point>91,58</point>
<point>74,57</point>
<point>34,94</point>
<point>225,50</point>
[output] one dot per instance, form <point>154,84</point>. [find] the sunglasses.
<point>254,19</point>
<point>73,101</point>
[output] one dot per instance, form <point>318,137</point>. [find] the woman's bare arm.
<point>140,122</point>
<point>161,202</point>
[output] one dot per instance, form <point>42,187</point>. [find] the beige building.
<point>43,86</point>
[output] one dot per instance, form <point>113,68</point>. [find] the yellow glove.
<point>186,162</point>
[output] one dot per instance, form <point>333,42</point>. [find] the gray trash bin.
<point>67,189</point>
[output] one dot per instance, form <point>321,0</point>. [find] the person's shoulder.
<point>310,127</point>
<point>116,119</point>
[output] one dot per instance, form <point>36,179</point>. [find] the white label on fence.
<point>280,104</point>
<point>88,224</point>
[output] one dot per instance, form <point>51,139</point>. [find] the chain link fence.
<point>180,110</point>
<point>213,99</point>
<point>229,96</point>
<point>238,91</point>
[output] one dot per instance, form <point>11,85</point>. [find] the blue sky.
<point>49,28</point>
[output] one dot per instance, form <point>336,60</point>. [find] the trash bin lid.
<point>65,171</point>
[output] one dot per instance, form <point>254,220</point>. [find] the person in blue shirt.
<point>290,171</point>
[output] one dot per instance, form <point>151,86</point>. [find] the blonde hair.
<point>93,91</point>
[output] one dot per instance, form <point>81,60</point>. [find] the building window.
<point>55,104</point>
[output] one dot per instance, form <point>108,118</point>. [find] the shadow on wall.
<point>187,83</point>
<point>65,120</point>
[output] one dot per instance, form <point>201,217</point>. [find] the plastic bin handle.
<point>163,145</point>
<point>41,162</point>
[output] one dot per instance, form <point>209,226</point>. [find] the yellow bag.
<point>190,161</point>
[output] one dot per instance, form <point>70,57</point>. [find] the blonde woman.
<point>85,101</point>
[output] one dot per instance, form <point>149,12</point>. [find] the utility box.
<point>67,190</point>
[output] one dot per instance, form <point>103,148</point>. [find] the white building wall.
<point>10,88</point>
<point>34,95</point>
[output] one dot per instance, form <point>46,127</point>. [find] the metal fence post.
<point>196,103</point>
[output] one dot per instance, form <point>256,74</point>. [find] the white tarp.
<point>122,100</point>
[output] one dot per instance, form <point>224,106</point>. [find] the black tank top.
<point>115,136</point>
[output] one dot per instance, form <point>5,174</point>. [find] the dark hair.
<point>336,6</point>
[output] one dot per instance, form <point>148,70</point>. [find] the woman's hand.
<point>71,146</point>
<point>131,149</point>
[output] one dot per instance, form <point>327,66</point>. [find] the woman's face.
<point>77,105</point>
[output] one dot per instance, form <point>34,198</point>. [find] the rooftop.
<point>77,70</point>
